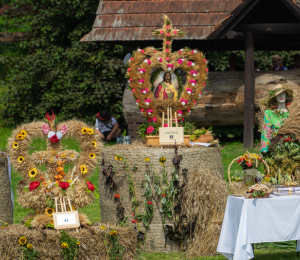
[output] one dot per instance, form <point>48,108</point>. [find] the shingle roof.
<point>134,20</point>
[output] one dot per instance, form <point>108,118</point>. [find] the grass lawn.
<point>264,251</point>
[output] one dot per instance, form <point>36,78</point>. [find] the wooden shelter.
<point>210,25</point>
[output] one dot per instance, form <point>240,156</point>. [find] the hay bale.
<point>204,202</point>
<point>91,242</point>
<point>196,160</point>
<point>6,212</point>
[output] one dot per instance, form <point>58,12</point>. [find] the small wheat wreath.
<point>28,165</point>
<point>144,61</point>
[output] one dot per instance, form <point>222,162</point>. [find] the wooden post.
<point>249,91</point>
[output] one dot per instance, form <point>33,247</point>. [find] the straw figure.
<point>39,188</point>
<point>279,119</point>
<point>144,65</point>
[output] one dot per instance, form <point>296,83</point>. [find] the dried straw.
<point>204,201</point>
<point>91,242</point>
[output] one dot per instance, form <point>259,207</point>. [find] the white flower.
<point>189,92</point>
<point>195,51</point>
<point>179,114</point>
<point>193,84</point>
<point>129,60</point>
<point>183,103</point>
<point>146,61</point>
<point>139,50</point>
<point>182,59</point>
<point>199,95</point>
<point>169,69</point>
<point>158,58</point>
<point>181,49</point>
<point>190,111</point>
<point>129,81</point>
<point>149,113</point>
<point>194,75</point>
<point>59,134</point>
<point>193,64</point>
<point>50,134</point>
<point>141,71</point>
<point>137,103</point>
<point>144,92</point>
<point>141,83</point>
<point>147,103</point>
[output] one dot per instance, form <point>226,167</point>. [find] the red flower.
<point>134,221</point>
<point>288,104</point>
<point>149,202</point>
<point>90,185</point>
<point>54,139</point>
<point>33,185</point>
<point>132,214</point>
<point>164,195</point>
<point>21,182</point>
<point>274,107</point>
<point>287,139</point>
<point>117,196</point>
<point>251,191</point>
<point>249,164</point>
<point>64,185</point>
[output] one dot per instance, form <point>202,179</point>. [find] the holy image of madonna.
<point>165,89</point>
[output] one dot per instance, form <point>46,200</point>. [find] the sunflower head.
<point>147,159</point>
<point>64,245</point>
<point>49,211</point>
<point>77,243</point>
<point>15,145</point>
<point>32,173</point>
<point>83,169</point>
<point>90,131</point>
<point>94,143</point>
<point>92,155</point>
<point>20,137</point>
<point>84,130</point>
<point>162,160</point>
<point>20,159</point>
<point>22,240</point>
<point>72,155</point>
<point>102,227</point>
<point>24,133</point>
<point>118,158</point>
<point>29,246</point>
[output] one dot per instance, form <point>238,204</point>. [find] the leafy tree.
<point>72,78</point>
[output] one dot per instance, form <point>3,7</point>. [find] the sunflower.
<point>113,233</point>
<point>118,158</point>
<point>84,130</point>
<point>49,211</point>
<point>92,155</point>
<point>64,245</point>
<point>77,243</point>
<point>15,145</point>
<point>94,143</point>
<point>162,160</point>
<point>32,173</point>
<point>22,240</point>
<point>102,227</point>
<point>20,137</point>
<point>90,131</point>
<point>72,155</point>
<point>24,133</point>
<point>83,169</point>
<point>147,159</point>
<point>21,159</point>
<point>29,246</point>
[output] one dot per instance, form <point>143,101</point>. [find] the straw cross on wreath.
<point>145,63</point>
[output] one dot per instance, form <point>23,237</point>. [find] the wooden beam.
<point>235,35</point>
<point>270,28</point>
<point>249,90</point>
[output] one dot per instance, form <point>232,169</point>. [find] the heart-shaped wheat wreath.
<point>144,63</point>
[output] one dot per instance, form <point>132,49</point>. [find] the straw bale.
<point>91,242</point>
<point>195,160</point>
<point>203,202</point>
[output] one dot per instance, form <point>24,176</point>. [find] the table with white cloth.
<point>249,221</point>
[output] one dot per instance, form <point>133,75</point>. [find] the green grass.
<point>263,251</point>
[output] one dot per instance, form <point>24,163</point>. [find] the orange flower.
<point>56,181</point>
<point>41,178</point>
<point>44,182</point>
<point>58,176</point>
<point>59,169</point>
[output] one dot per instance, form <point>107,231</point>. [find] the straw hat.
<point>278,90</point>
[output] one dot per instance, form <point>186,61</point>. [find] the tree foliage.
<point>72,78</point>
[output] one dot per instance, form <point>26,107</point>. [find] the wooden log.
<point>222,101</point>
<point>249,91</point>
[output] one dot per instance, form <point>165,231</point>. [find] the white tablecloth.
<point>249,221</point>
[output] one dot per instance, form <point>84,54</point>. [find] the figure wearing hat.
<point>106,126</point>
<point>275,115</point>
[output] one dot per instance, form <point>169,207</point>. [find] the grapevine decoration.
<point>39,187</point>
<point>143,64</point>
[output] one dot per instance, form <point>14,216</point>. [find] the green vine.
<point>69,246</point>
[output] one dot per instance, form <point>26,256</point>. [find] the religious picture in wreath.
<point>166,86</point>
